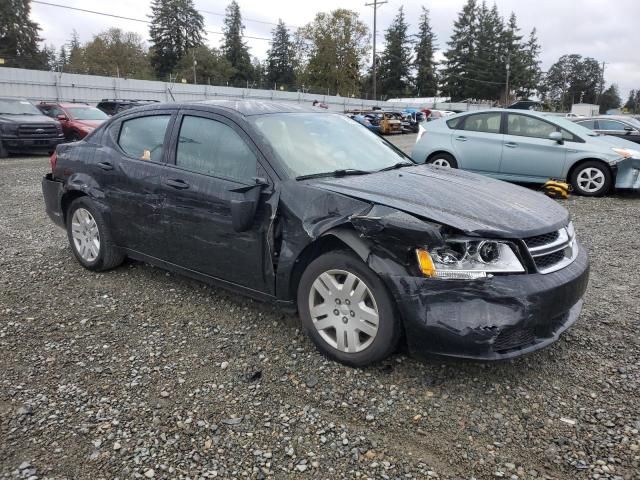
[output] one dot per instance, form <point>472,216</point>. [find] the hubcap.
<point>441,162</point>
<point>85,234</point>
<point>591,179</point>
<point>343,311</point>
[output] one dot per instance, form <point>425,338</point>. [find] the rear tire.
<point>591,179</point>
<point>90,238</point>
<point>347,311</point>
<point>443,160</point>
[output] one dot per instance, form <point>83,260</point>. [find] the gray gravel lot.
<point>137,373</point>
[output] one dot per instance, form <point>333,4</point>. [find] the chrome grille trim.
<point>565,243</point>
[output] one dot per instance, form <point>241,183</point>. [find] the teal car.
<point>530,147</point>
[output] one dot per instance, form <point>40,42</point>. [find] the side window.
<point>213,148</point>
<point>611,125</point>
<point>526,126</point>
<point>590,124</point>
<point>454,122</point>
<point>143,137</point>
<point>482,122</point>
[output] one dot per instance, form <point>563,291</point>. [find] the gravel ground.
<point>138,373</point>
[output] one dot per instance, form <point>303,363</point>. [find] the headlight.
<point>9,128</point>
<point>627,152</point>
<point>468,259</point>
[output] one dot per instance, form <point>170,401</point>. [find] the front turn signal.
<point>425,262</point>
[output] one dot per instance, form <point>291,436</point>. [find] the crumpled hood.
<point>26,119</point>
<point>475,204</point>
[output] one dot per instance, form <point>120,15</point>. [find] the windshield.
<point>633,121</point>
<point>312,143</point>
<point>18,107</point>
<point>86,113</point>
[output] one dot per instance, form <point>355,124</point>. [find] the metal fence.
<point>38,86</point>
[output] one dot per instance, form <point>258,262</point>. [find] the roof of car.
<point>606,117</point>
<point>67,104</point>
<point>243,107</point>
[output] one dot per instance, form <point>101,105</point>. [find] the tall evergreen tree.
<point>514,55</point>
<point>610,99</point>
<point>19,36</point>
<point>395,61</point>
<point>75,54</point>
<point>632,102</point>
<point>531,65</point>
<point>280,57</point>
<point>176,26</point>
<point>234,47</point>
<point>461,52</point>
<point>63,59</point>
<point>426,82</point>
<point>487,68</point>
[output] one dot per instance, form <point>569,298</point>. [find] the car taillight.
<point>53,161</point>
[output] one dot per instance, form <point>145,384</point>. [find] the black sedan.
<point>314,212</point>
<point>619,126</point>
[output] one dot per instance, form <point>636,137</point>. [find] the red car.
<point>77,119</point>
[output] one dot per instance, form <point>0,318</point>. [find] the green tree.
<point>487,69</point>
<point>49,55</point>
<point>19,36</point>
<point>332,50</point>
<point>426,81</point>
<point>531,65</point>
<point>212,67</point>
<point>610,99</point>
<point>572,79</point>
<point>176,27</point>
<point>234,48</point>
<point>75,54</point>
<point>114,53</point>
<point>280,57</point>
<point>395,61</point>
<point>462,50</point>
<point>62,60</point>
<point>633,102</point>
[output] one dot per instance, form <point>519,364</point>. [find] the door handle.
<point>511,145</point>
<point>177,184</point>
<point>461,139</point>
<point>105,166</point>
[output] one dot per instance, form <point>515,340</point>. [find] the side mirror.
<point>556,137</point>
<point>629,130</point>
<point>243,209</point>
<point>62,117</point>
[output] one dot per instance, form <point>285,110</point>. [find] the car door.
<point>477,143</point>
<point>213,162</point>
<point>130,174</point>
<point>529,155</point>
<point>618,129</point>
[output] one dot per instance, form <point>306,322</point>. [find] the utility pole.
<point>195,62</point>
<point>506,91</point>
<point>601,84</point>
<point>375,5</point>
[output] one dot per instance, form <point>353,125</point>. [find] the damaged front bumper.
<point>493,318</point>
<point>628,174</point>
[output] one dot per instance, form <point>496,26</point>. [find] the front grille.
<point>514,337</point>
<point>543,239</point>
<point>37,130</point>
<point>546,261</point>
<point>554,250</point>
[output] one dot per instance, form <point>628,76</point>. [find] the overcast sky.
<point>603,29</point>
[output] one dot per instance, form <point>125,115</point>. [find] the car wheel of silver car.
<point>443,160</point>
<point>89,236</point>
<point>591,179</point>
<point>346,310</point>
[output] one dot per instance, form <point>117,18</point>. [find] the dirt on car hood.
<point>473,203</point>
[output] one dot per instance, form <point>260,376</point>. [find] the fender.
<point>352,240</point>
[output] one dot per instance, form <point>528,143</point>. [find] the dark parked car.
<point>617,126</point>
<point>111,106</point>
<point>311,211</point>
<point>77,119</point>
<point>23,128</point>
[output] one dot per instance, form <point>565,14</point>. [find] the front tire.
<point>591,179</point>
<point>90,238</point>
<point>347,311</point>
<point>443,160</point>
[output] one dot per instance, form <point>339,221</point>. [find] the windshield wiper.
<point>397,165</point>
<point>335,173</point>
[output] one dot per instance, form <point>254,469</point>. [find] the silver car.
<point>530,147</point>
